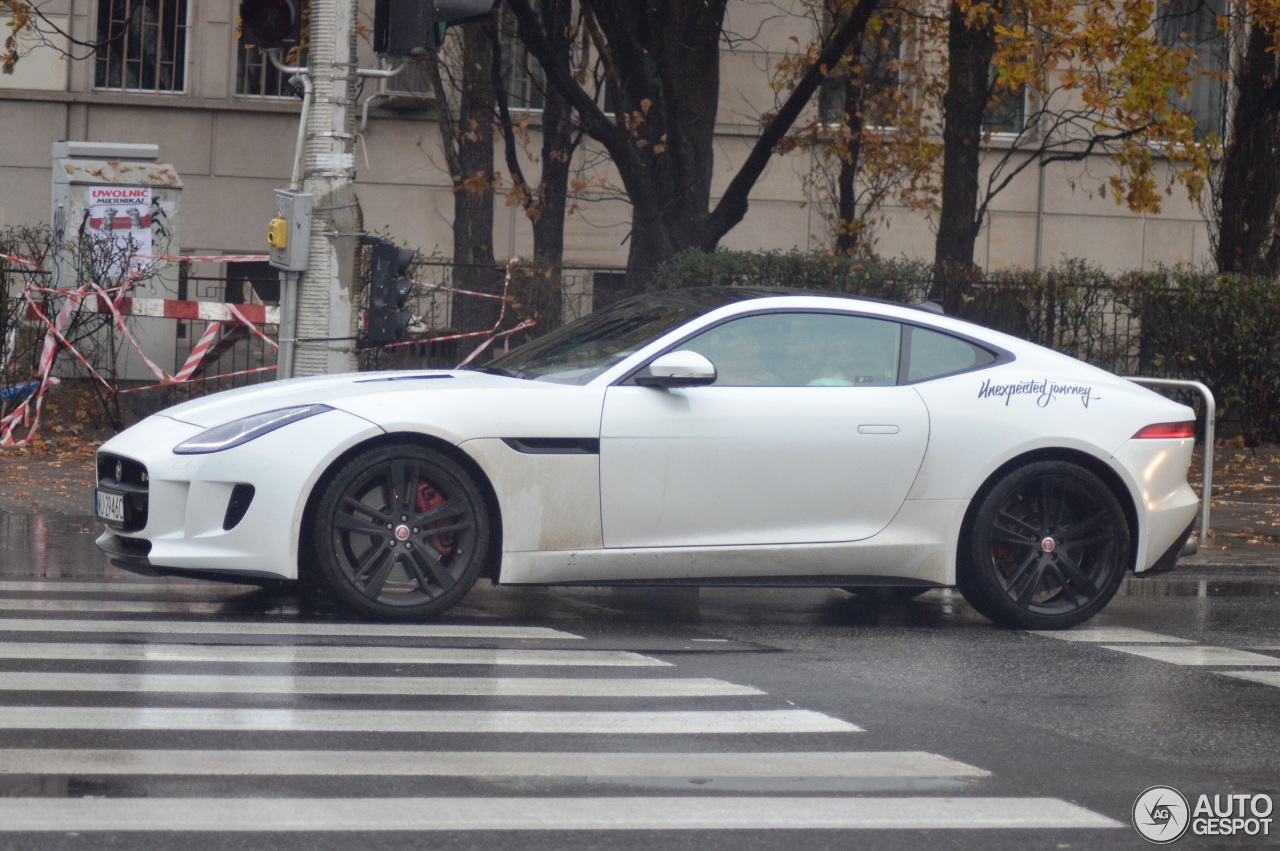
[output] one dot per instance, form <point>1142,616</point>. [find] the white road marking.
<point>405,721</point>
<point>1266,678</point>
<point>914,764</point>
<point>356,685</point>
<point>1200,655</point>
<point>1110,634</point>
<point>184,586</point>
<point>345,654</point>
<point>537,813</point>
<point>434,630</point>
<point>168,607</point>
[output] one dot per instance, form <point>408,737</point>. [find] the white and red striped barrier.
<point>205,258</point>
<point>163,308</point>
<point>20,261</point>
<point>241,319</point>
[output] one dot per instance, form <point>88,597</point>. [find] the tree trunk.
<point>1250,185</point>
<point>971,47</point>
<point>474,266</point>
<point>664,56</point>
<point>848,233</point>
<point>553,189</point>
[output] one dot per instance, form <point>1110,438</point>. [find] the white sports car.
<point>703,437</point>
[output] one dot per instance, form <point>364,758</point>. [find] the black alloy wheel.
<point>400,533</point>
<point>1047,548</point>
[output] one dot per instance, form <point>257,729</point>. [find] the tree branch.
<point>733,204</point>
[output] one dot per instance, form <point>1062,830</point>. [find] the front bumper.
<point>179,507</point>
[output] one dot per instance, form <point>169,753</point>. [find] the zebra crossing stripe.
<point>537,813</point>
<point>129,586</point>
<point>1200,655</point>
<point>1266,678</point>
<point>248,653</point>
<point>433,630</point>
<point>1109,634</point>
<point>169,607</point>
<point>428,721</point>
<point>467,686</point>
<point>231,763</point>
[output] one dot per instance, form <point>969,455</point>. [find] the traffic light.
<point>271,23</point>
<point>389,288</point>
<point>416,27</point>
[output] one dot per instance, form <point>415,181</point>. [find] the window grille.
<point>872,83</point>
<point>143,45</point>
<point>1194,24</point>
<point>1007,112</point>
<point>257,77</point>
<point>523,77</point>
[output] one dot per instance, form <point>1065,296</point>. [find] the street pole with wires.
<point>320,321</point>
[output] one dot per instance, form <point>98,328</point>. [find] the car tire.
<point>400,532</point>
<point>1047,547</point>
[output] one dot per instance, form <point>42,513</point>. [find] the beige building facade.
<point>230,136</point>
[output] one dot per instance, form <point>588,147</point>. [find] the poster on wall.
<point>120,221</point>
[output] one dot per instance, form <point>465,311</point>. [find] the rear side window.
<point>932,354</point>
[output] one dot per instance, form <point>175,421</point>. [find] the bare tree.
<point>662,61</point>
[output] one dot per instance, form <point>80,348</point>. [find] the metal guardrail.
<point>1210,413</point>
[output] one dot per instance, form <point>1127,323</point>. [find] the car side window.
<point>801,350</point>
<point>933,354</point>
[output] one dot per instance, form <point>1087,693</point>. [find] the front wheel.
<point>1047,548</point>
<point>400,533</point>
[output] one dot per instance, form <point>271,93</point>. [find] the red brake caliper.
<point>428,500</point>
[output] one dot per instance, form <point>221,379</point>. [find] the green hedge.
<point>1222,330</point>
<point>1174,323</point>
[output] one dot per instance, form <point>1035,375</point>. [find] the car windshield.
<point>582,350</point>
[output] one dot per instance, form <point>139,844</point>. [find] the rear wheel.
<point>1047,548</point>
<point>400,532</point>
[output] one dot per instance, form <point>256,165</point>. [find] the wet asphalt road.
<point>1177,683</point>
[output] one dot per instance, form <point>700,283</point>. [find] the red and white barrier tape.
<point>114,302</point>
<point>528,323</point>
<point>206,258</point>
<point>20,260</point>
<point>198,351</point>
<point>253,371</point>
<point>28,411</point>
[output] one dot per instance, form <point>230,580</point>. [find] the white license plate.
<point>110,507</point>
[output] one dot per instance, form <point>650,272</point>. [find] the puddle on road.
<point>1175,586</point>
<point>52,546</point>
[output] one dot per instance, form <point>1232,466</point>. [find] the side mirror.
<point>677,369</point>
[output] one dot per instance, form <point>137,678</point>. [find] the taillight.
<point>1166,431</point>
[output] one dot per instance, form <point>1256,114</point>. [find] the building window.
<point>525,81</point>
<point>1194,24</point>
<point>869,88</point>
<point>523,77</point>
<point>257,77</point>
<point>143,45</point>
<point>1006,111</point>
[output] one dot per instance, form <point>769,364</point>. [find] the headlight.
<point>241,431</point>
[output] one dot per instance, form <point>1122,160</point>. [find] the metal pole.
<point>325,328</point>
<point>1210,414</point>
<point>288,324</point>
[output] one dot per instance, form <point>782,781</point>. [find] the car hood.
<point>343,392</point>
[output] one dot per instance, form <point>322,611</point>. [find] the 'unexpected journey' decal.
<point>1044,391</point>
